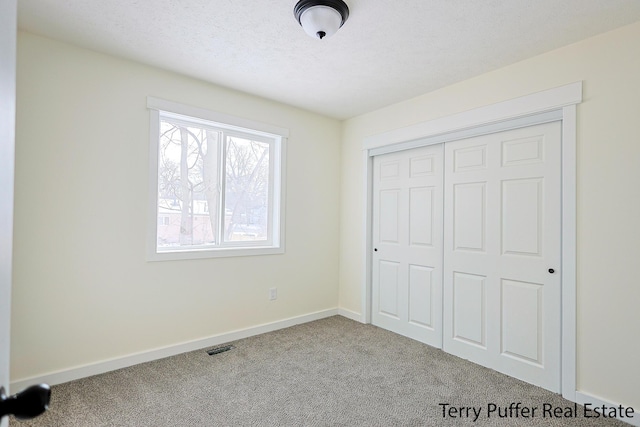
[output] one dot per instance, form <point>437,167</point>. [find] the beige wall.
<point>82,290</point>
<point>608,155</point>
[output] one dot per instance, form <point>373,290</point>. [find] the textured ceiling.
<point>388,50</point>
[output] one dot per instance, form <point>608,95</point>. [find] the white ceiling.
<point>387,51</point>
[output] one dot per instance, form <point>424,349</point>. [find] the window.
<point>216,183</point>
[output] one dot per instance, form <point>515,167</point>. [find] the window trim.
<point>234,124</point>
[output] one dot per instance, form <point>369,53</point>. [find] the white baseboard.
<point>351,315</point>
<point>101,367</point>
<point>582,398</point>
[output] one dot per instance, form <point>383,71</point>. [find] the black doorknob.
<point>375,249</point>
<point>551,270</point>
<point>27,404</point>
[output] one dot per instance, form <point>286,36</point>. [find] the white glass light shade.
<point>321,21</point>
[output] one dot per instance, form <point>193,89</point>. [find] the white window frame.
<point>235,125</point>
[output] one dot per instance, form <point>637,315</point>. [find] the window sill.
<point>174,255</point>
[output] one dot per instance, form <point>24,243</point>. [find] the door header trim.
<point>504,125</point>
<point>548,100</point>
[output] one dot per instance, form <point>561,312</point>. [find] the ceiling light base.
<point>321,18</point>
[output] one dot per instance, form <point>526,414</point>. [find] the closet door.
<point>502,252</point>
<point>407,237</point>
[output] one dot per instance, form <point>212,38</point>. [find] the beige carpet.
<point>332,372</point>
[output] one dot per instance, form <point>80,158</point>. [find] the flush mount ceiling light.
<point>321,18</point>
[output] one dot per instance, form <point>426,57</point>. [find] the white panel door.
<point>502,252</point>
<point>8,23</point>
<point>407,237</point>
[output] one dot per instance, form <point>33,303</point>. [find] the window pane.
<point>246,207</point>
<point>188,187</point>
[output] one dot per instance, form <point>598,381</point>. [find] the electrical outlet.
<point>273,294</point>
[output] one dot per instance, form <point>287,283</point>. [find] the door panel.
<point>522,216</point>
<point>522,315</point>
<point>389,289</point>
<point>469,322</point>
<point>494,302</point>
<point>389,206</point>
<point>421,216</point>
<point>469,212</point>
<point>8,33</point>
<point>501,236</point>
<point>421,295</point>
<point>407,235</point>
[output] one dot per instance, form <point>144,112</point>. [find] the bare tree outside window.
<point>199,169</point>
<point>246,190</point>
<point>217,184</point>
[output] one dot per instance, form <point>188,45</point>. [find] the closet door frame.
<point>542,107</point>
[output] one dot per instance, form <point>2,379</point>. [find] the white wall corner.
<point>358,317</point>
